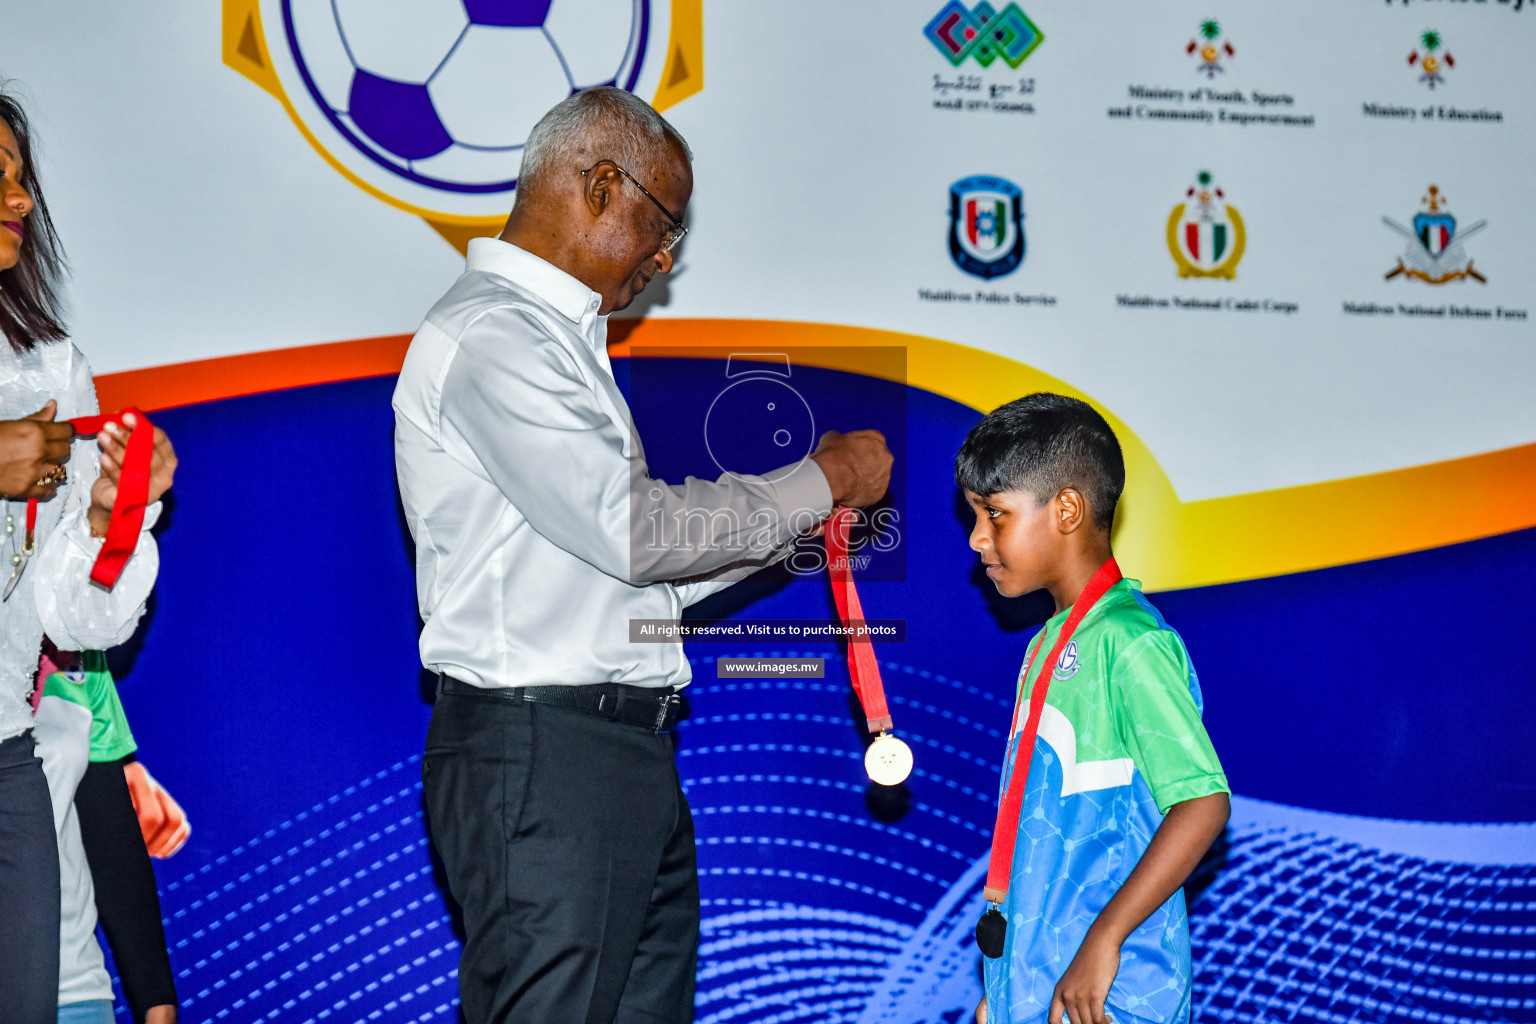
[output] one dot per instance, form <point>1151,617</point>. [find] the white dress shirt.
<point>55,594</point>
<point>526,491</point>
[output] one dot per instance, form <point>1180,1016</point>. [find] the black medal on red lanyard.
<point>992,929</point>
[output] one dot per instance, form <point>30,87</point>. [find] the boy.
<point>1124,793</point>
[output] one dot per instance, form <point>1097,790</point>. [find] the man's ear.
<point>1070,510</point>
<point>599,185</point>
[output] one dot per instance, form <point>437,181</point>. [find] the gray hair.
<point>596,124</point>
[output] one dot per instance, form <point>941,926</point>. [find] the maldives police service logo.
<point>986,225</point>
<point>983,33</point>
<point>1067,664</point>
<point>1435,252</point>
<point>426,104</point>
<point>1205,233</point>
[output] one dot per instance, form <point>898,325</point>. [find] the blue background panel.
<point>278,696</point>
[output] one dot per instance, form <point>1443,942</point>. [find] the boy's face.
<point>1018,540</point>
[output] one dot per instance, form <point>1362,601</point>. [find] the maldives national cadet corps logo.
<point>426,104</point>
<point>1206,237</point>
<point>983,32</point>
<point>1210,47</point>
<point>986,225</point>
<point>1434,61</point>
<point>1434,253</point>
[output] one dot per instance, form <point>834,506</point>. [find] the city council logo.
<point>1205,232</point>
<point>1210,47</point>
<point>1434,253</point>
<point>425,104</point>
<point>986,225</point>
<point>1066,665</point>
<point>1433,62</point>
<point>983,32</point>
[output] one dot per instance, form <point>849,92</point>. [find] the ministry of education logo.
<point>1210,47</point>
<point>426,104</point>
<point>1434,61</point>
<point>1434,253</point>
<point>986,225</point>
<point>983,32</point>
<point>1067,664</point>
<point>1205,233</point>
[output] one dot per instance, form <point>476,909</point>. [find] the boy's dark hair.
<point>30,309</point>
<point>1042,443</point>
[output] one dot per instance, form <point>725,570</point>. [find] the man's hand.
<point>31,448</point>
<point>1082,990</point>
<point>113,441</point>
<point>857,466</point>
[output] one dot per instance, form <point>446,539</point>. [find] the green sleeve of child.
<point>1159,723</point>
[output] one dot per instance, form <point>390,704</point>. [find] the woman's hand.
<point>30,450</point>
<point>113,441</point>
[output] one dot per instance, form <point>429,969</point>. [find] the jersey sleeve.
<point>1159,721</point>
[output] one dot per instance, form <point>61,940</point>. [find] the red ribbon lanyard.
<point>127,519</point>
<point>863,669</point>
<point>1007,828</point>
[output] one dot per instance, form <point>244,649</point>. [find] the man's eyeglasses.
<point>678,230</point>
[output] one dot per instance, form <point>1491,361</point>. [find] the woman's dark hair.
<point>30,311</point>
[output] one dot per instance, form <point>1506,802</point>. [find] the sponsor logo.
<point>1435,251</point>
<point>984,33</point>
<point>1434,61</point>
<point>429,112</point>
<point>1067,664</point>
<point>986,225</point>
<point>1211,48</point>
<point>1205,233</point>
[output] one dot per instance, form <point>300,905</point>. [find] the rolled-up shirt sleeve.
<point>530,414</point>
<point>77,614</point>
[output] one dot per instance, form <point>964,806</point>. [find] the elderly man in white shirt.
<point>550,788</point>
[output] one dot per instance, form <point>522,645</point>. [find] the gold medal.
<point>888,760</point>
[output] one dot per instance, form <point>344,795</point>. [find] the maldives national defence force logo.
<point>986,225</point>
<point>984,33</point>
<point>1434,252</point>
<point>1205,233</point>
<point>426,104</point>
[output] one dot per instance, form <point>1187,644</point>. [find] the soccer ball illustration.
<point>442,93</point>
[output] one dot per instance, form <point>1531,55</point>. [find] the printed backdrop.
<point>1284,247</point>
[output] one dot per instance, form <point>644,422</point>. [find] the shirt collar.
<point>570,298</point>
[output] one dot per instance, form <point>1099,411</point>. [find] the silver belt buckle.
<point>667,704</point>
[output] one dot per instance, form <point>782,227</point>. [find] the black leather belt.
<point>654,708</point>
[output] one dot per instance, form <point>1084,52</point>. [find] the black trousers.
<point>127,900</point>
<point>29,888</point>
<point>569,846</point>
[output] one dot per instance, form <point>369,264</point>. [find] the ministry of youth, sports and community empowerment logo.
<point>1205,233</point>
<point>984,33</point>
<point>986,225</point>
<point>1210,48</point>
<point>426,104</point>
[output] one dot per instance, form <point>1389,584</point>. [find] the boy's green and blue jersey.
<point>1120,741</point>
<point>89,684</point>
